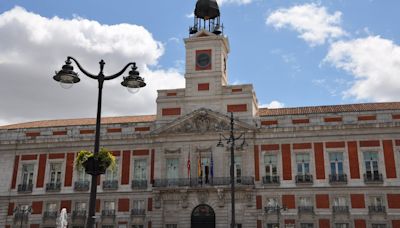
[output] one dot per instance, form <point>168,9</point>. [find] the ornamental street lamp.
<point>277,209</point>
<point>231,141</point>
<point>22,212</point>
<point>67,77</point>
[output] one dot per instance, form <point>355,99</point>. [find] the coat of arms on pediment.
<point>201,121</point>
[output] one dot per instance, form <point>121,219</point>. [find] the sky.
<point>295,53</point>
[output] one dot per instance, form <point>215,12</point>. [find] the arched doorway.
<point>203,216</point>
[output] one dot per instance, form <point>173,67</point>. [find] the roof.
<point>330,109</point>
<point>81,121</point>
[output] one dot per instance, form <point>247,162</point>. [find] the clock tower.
<point>206,75</point>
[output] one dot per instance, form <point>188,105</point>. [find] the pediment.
<point>201,121</point>
<point>203,33</point>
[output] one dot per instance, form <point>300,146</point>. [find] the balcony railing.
<point>201,182</point>
<point>271,180</point>
<point>139,184</point>
<point>110,184</point>
<point>373,178</point>
<point>79,214</point>
<point>108,213</point>
<point>340,209</point>
<point>138,212</point>
<point>53,187</point>
<point>81,185</point>
<point>338,178</point>
<point>50,215</point>
<point>25,187</point>
<point>19,215</point>
<point>272,209</point>
<point>304,179</point>
<point>377,209</point>
<point>306,209</point>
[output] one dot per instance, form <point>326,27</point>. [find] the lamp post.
<point>277,209</point>
<point>231,140</point>
<point>67,77</point>
<point>22,212</point>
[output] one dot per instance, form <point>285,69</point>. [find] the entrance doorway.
<point>203,216</point>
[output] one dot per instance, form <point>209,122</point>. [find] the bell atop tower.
<point>207,17</point>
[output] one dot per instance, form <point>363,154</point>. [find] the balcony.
<point>376,209</point>
<point>48,215</point>
<point>340,209</point>
<point>272,209</point>
<point>25,188</point>
<point>271,180</point>
<point>138,212</point>
<point>202,182</point>
<point>338,179</point>
<point>375,178</point>
<point>306,209</point>
<point>79,214</point>
<point>82,185</point>
<point>53,187</point>
<point>139,184</point>
<point>304,179</point>
<point>21,216</point>
<point>108,213</point>
<point>110,184</point>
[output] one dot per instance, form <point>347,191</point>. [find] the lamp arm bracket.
<point>81,68</point>
<point>119,73</point>
<point>240,136</point>
<point>223,136</point>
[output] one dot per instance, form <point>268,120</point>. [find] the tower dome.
<point>206,17</point>
<point>206,9</point>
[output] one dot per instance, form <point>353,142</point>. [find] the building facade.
<point>324,166</point>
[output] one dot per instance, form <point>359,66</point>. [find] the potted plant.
<point>95,164</point>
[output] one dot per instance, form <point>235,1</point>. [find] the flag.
<point>199,166</point>
<point>188,165</point>
<point>212,166</point>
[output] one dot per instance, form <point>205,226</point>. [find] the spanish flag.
<point>199,174</point>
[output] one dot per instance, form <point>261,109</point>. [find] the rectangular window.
<point>371,165</point>
<point>80,206</point>
<point>272,202</point>
<point>377,201</point>
<point>378,225</point>
<point>270,163</point>
<point>305,201</point>
<point>27,174</point>
<point>238,169</point>
<point>109,205</point>
<point>303,164</point>
<point>172,168</point>
<point>140,169</point>
<point>336,163</point>
<point>82,175</point>
<point>341,225</point>
<point>339,201</point>
<point>205,169</point>
<point>112,174</point>
<point>51,207</point>
<point>273,225</point>
<point>55,173</point>
<point>306,225</point>
<point>138,204</point>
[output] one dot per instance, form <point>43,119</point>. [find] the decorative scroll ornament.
<point>221,197</point>
<point>202,196</point>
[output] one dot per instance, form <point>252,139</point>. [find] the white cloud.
<point>375,64</point>
<point>312,21</point>
<point>273,104</point>
<point>190,15</point>
<point>32,47</point>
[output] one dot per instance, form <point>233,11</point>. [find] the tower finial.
<point>207,17</point>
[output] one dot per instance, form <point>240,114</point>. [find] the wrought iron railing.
<point>110,184</point>
<point>79,214</point>
<point>272,209</point>
<point>270,180</point>
<point>50,215</point>
<point>21,215</point>
<point>304,179</point>
<point>376,209</point>
<point>138,212</point>
<point>201,182</point>
<point>53,186</point>
<point>108,213</point>
<point>139,184</point>
<point>306,209</point>
<point>340,209</point>
<point>337,178</point>
<point>25,187</point>
<point>82,185</point>
<point>373,178</point>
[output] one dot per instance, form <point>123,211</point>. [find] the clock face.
<point>203,59</point>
